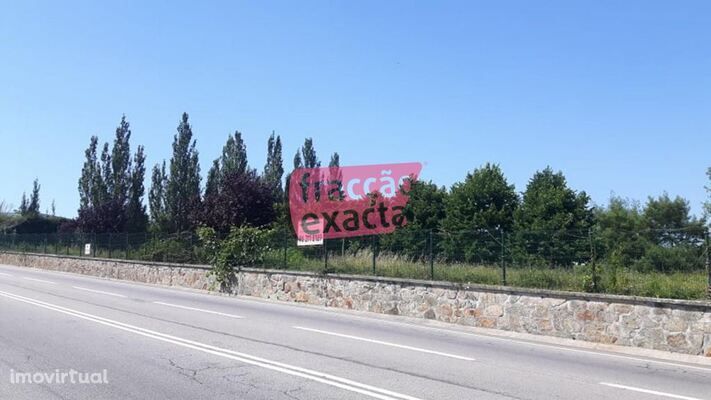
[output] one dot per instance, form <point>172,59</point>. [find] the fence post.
<point>503,259</point>
<point>431,251</point>
<point>375,255</point>
<point>286,247</point>
<point>592,262</point>
<point>46,235</point>
<point>109,244</point>
<point>325,256</point>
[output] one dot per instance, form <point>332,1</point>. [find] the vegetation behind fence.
<point>656,263</point>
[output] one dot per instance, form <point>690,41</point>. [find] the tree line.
<point>111,187</point>
<point>482,219</point>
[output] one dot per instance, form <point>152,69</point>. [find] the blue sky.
<point>615,94</point>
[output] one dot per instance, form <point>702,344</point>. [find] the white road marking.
<point>552,346</point>
<point>40,280</point>
<point>477,335</point>
<point>332,380</point>
<point>647,391</point>
<point>401,346</point>
<point>98,291</point>
<point>198,309</point>
<point>480,335</point>
<point>4,274</point>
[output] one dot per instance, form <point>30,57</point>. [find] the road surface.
<point>161,343</point>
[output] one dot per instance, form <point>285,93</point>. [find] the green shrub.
<point>671,259</point>
<point>244,246</point>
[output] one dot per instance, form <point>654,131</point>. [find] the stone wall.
<point>189,276</point>
<point>670,325</point>
<point>677,326</point>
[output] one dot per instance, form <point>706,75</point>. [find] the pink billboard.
<point>333,202</point>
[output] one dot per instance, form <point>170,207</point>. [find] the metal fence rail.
<point>658,263</point>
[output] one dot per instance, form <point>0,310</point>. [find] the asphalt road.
<point>160,343</point>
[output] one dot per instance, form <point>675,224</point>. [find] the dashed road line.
<point>98,291</point>
<point>40,280</point>
<point>198,309</point>
<point>317,376</point>
<point>648,391</point>
<point>400,346</point>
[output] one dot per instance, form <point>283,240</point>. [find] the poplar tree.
<point>212,183</point>
<point>183,185</point>
<point>234,155</point>
<point>107,176</point>
<point>24,205</point>
<point>335,178</point>
<point>298,163</point>
<point>33,208</point>
<point>274,168</point>
<point>90,177</point>
<point>121,164</point>
<point>110,196</point>
<point>308,152</point>
<point>136,217</point>
<point>156,196</point>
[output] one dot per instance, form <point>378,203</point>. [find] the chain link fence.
<point>655,263</point>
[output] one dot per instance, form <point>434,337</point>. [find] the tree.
<point>424,213</point>
<point>107,201</point>
<point>478,210</point>
<point>120,182</point>
<point>234,155</point>
<point>212,184</point>
<point>669,221</point>
<point>232,163</point>
<point>618,233</point>
<point>24,204</point>
<point>183,185</point>
<point>308,152</point>
<point>53,209</point>
<point>274,168</point>
<point>335,179</point>
<point>285,207</point>
<point>485,200</point>
<point>92,191</point>
<point>553,221</point>
<point>676,239</point>
<point>310,160</point>
<point>156,197</point>
<point>88,184</point>
<point>136,218</point>
<point>33,208</point>
<point>106,174</point>
<point>298,163</point>
<point>335,160</point>
<point>243,199</point>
